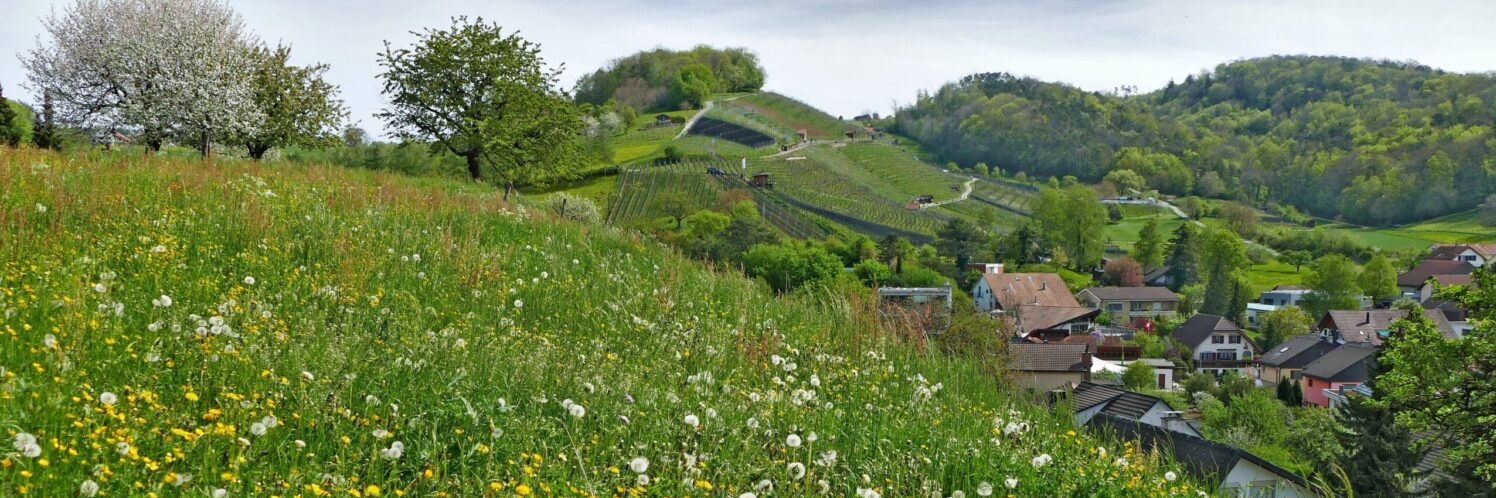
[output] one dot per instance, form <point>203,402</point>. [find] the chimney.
<point>1043,285</point>
<point>1368,319</point>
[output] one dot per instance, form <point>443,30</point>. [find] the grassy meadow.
<point>178,327</point>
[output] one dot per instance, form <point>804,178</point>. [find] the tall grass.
<point>178,327</point>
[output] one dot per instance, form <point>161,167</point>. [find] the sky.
<point>851,56</point>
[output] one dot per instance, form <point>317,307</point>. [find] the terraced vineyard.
<point>1010,197</point>
<point>907,174</point>
<point>793,114</point>
<point>638,186</point>
<point>828,183</point>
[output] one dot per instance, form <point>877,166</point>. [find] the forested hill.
<point>1372,142</point>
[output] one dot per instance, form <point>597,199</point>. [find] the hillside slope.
<point>180,326</point>
<point>1374,142</point>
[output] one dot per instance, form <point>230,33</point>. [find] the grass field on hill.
<point>793,115</point>
<point>179,327</point>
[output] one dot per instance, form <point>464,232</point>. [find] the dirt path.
<point>965,193</point>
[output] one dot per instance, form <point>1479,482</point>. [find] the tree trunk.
<point>257,152</point>
<point>508,188</point>
<point>474,168</point>
<point>205,147</point>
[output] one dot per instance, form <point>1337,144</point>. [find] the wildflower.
<point>792,441</point>
<point>100,288</point>
<point>1170,476</point>
<point>26,444</point>
<point>522,490</point>
<point>958,494</point>
<point>50,341</point>
<point>1041,460</point>
<point>643,480</point>
<point>158,249</point>
<point>692,421</point>
<point>984,489</point>
<point>519,303</point>
<point>868,493</point>
<point>545,274</point>
<point>372,490</point>
<point>748,494</point>
<point>812,437</point>
<point>639,465</point>
<point>249,280</point>
<point>162,302</point>
<point>1011,483</point>
<point>122,448</point>
<point>374,400</point>
<point>179,479</point>
<point>308,376</point>
<point>299,443</point>
<point>827,458</point>
<point>88,488</point>
<point>257,429</point>
<point>796,470</point>
<point>764,485</point>
<point>577,410</point>
<point>41,208</point>
<point>220,493</point>
<point>393,452</point>
<point>270,421</point>
<point>381,433</point>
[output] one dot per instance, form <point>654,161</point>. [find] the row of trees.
<point>184,70</point>
<point>1374,142</point>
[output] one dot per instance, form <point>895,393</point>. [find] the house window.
<point>1218,339</point>
<point>1158,306</point>
<point>1114,306</point>
<point>1137,306</point>
<point>1236,339</point>
<point>1468,258</point>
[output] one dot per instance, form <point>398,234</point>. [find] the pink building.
<point>1342,368</point>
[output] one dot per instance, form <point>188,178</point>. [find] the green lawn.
<point>1267,275</point>
<point>599,189</point>
<point>1124,233</point>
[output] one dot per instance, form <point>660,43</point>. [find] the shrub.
<point>573,207</point>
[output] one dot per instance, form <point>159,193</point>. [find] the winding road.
<point>965,193</point>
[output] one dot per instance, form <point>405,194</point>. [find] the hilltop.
<point>1370,142</point>
<point>186,326</point>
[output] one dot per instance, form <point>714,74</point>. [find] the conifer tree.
<point>1379,459</point>
<point>1184,256</point>
<point>8,133</point>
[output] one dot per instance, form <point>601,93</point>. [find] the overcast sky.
<point>847,56</point>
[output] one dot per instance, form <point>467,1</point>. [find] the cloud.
<point>847,56</point>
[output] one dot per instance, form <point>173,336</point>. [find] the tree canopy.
<point>652,80</point>
<point>1375,142</point>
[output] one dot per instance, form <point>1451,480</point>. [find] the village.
<point>1073,349</point>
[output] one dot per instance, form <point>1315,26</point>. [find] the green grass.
<point>793,115</point>
<point>599,189</point>
<point>1273,273</point>
<point>1124,234</point>
<point>319,316</point>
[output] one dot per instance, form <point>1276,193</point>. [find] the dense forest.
<point>663,79</point>
<point>1370,142</point>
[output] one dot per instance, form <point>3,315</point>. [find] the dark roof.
<point>1448,280</point>
<point>1454,312</point>
<point>1297,352</point>
<point>1131,405</point>
<point>1430,267</point>
<point>1346,363</point>
<point>1132,293</point>
<point>1049,357</point>
<point>1198,329</point>
<point>1368,325</point>
<point>1448,251</point>
<point>1036,318</point>
<point>1089,394</point>
<point>1204,459</point>
<point>1156,274</point>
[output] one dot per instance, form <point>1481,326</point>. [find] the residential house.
<point>1409,282</point>
<point>1217,345</point>
<point>1088,399</point>
<point>1131,304</point>
<point>1284,362</point>
<point>1046,367</point>
<point>1163,371</point>
<point>1475,254</point>
<point>1426,291</point>
<point>1371,326</point>
<point>1231,471</point>
<point>1158,277</point>
<point>1342,398</point>
<point>1454,313</point>
<point>1346,366</point>
<point>1039,303</point>
<point>1255,312</point>
<point>985,268</point>
<point>1283,295</point>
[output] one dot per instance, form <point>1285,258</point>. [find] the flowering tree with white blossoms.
<point>166,67</point>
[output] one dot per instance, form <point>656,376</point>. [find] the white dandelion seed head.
<point>394,452</point>
<point>220,493</point>
<point>122,448</point>
<point>88,488</point>
<point>692,421</point>
<point>642,480</point>
<point>1170,476</point>
<point>792,440</point>
<point>249,280</point>
<point>50,341</point>
<point>796,470</point>
<point>1011,483</point>
<point>308,376</point>
<point>984,489</point>
<point>519,303</point>
<point>577,411</point>
<point>639,465</point>
<point>257,429</point>
<point>101,288</point>
<point>381,433</point>
<point>958,494</point>
<point>1041,460</point>
<point>299,443</point>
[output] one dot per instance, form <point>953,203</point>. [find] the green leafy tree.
<point>788,266</point>
<point>354,136</point>
<point>1378,279</point>
<point>1223,261</point>
<point>1280,324</point>
<point>297,106</point>
<point>959,240</point>
<point>486,97</point>
<point>1138,376</point>
<point>1333,284</point>
<point>1312,436</point>
<point>1379,457</point>
<point>893,250</point>
<point>872,272</point>
<point>694,84</point>
<point>1071,220</point>
<point>674,205</point>
<point>1149,249</point>
<point>9,134</point>
<point>1444,386</point>
<point>1184,256</point>
<point>1297,258</point>
<point>706,224</point>
<point>1127,182</point>
<point>45,135</point>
